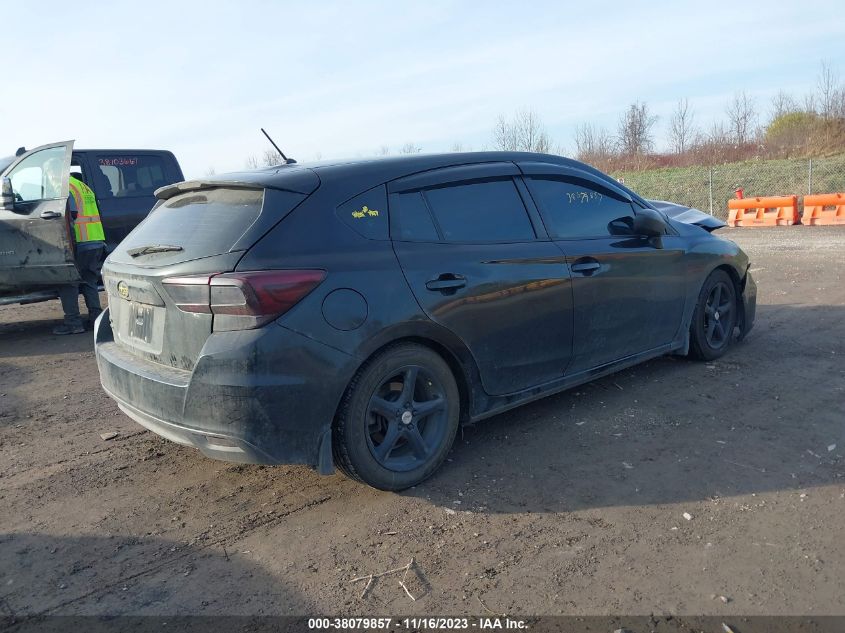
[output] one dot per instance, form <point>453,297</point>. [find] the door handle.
<point>50,215</point>
<point>587,265</point>
<point>446,282</point>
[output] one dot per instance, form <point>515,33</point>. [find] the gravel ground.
<point>674,487</point>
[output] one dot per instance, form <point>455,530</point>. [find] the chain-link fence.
<point>710,188</point>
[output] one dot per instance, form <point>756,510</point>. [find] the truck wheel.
<point>398,418</point>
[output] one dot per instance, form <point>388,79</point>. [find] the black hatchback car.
<point>353,314</point>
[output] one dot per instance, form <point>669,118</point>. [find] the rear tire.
<point>398,418</point>
<point>715,317</point>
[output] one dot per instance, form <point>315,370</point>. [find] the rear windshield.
<point>199,223</point>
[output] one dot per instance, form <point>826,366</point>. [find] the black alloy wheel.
<point>398,418</point>
<point>715,317</point>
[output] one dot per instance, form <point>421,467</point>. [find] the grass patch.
<point>691,185</point>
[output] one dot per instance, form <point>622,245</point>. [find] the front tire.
<point>398,418</point>
<point>715,317</point>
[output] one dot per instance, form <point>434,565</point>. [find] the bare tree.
<point>742,118</point>
<point>783,103</point>
<point>410,148</point>
<point>210,171</point>
<point>810,103</point>
<point>635,136</point>
<point>681,131</point>
<point>531,134</point>
<point>384,150</point>
<point>718,135</point>
<point>826,90</point>
<point>271,158</point>
<point>460,147</point>
<point>831,93</point>
<point>714,145</point>
<point>524,133</point>
<point>592,144</point>
<point>503,135</point>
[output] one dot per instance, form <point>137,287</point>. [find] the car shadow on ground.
<point>766,417</point>
<point>11,378</point>
<point>36,338</point>
<point>45,576</point>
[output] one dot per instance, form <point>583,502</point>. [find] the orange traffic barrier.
<point>827,208</point>
<point>774,211</point>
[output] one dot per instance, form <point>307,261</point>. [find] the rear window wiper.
<point>153,248</point>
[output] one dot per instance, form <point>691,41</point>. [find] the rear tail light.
<point>241,301</point>
<point>190,294</point>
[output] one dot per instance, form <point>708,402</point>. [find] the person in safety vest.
<point>90,246</point>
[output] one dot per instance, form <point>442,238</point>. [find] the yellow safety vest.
<point>87,227</point>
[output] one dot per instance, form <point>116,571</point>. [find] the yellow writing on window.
<point>364,212</point>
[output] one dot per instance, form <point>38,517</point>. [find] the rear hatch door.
<point>157,279</point>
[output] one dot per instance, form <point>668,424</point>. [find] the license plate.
<point>141,322</point>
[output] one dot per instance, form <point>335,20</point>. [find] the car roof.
<point>360,174</point>
<point>377,170</point>
<point>392,167</point>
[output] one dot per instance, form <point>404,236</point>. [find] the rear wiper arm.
<point>153,248</point>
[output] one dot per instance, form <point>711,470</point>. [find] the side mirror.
<point>650,223</point>
<point>7,196</point>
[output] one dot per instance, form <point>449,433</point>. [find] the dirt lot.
<point>575,504</point>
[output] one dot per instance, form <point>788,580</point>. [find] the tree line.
<point>792,127</point>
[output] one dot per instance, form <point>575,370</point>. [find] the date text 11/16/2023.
<point>417,623</point>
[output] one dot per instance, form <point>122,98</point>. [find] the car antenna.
<point>288,161</point>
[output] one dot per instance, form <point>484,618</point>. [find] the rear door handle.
<point>586,265</point>
<point>50,215</point>
<point>446,281</point>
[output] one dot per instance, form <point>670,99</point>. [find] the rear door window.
<point>485,211</point>
<point>411,218</point>
<point>577,209</point>
<point>130,176</point>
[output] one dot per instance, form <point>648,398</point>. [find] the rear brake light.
<point>241,301</point>
<point>190,294</point>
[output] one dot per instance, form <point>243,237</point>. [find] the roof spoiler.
<point>167,192</point>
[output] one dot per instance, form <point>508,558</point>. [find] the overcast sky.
<point>344,79</point>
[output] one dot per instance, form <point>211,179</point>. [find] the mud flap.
<point>325,461</point>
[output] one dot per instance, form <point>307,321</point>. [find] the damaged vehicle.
<point>353,314</point>
<point>36,243</point>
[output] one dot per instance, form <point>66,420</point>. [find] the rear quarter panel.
<point>360,271</point>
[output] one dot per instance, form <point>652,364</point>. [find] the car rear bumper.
<point>264,396</point>
<point>216,446</point>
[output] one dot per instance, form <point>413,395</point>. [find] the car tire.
<point>715,317</point>
<point>398,418</point>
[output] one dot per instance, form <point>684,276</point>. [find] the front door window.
<point>40,176</point>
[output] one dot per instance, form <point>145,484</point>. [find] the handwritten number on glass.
<point>584,197</point>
